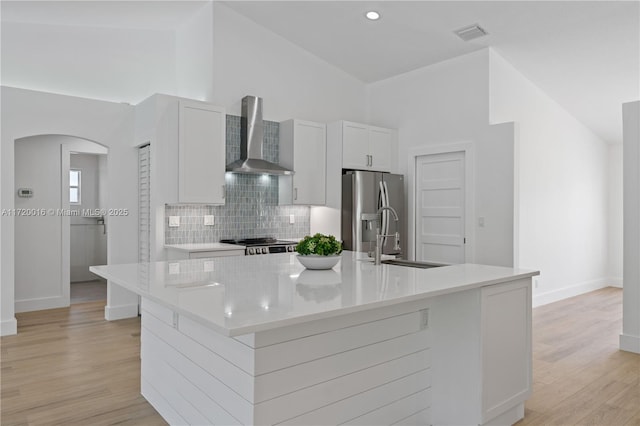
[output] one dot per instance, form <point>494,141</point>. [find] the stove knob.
<point>265,250</point>
<point>251,250</point>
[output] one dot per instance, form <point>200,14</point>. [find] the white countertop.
<point>244,294</point>
<point>204,247</point>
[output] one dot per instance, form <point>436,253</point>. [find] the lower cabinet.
<point>482,368</point>
<point>506,346</point>
<point>173,254</point>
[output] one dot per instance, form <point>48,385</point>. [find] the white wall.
<point>614,214</point>
<point>630,337</point>
<point>194,56</point>
<point>251,60</point>
<point>114,64</point>
<point>28,113</point>
<point>447,104</point>
<point>563,204</point>
<point>38,258</point>
<point>216,55</point>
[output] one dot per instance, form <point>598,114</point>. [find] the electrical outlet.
<point>174,221</point>
<point>292,219</point>
<point>209,220</point>
<point>208,266</point>
<point>174,268</point>
<point>481,222</point>
<point>424,319</point>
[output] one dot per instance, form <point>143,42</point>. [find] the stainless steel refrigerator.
<point>363,193</point>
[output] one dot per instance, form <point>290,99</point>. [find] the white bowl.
<point>314,261</point>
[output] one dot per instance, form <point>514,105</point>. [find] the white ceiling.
<point>584,54</point>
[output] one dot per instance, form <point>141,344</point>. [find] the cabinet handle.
<point>371,161</point>
<point>224,192</point>
<point>295,193</point>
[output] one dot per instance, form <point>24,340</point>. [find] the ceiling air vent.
<point>470,32</point>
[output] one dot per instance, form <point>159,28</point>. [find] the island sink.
<point>411,263</point>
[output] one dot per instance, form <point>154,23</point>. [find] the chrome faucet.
<point>380,237</point>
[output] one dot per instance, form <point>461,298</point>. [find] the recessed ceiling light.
<point>372,15</point>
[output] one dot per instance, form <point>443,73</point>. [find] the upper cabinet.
<point>201,153</point>
<point>366,147</point>
<point>187,149</point>
<point>303,149</point>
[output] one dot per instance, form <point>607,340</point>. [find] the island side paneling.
<point>368,368</point>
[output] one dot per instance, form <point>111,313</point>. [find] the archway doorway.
<point>43,229</point>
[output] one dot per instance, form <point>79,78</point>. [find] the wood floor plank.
<point>580,375</point>
<point>71,367</point>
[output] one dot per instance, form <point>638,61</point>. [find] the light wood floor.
<point>88,291</point>
<point>69,366</point>
<point>579,375</point>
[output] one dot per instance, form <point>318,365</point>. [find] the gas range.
<point>263,245</point>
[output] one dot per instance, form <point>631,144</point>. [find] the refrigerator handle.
<point>386,194</point>
<point>386,203</point>
<point>384,214</point>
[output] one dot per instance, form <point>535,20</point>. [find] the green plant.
<point>322,245</point>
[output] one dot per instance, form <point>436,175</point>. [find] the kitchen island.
<point>261,340</point>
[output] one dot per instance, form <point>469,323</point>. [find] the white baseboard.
<point>28,305</point>
<point>615,282</point>
<point>630,343</point>
<point>509,417</point>
<point>8,327</point>
<point>112,313</point>
<point>566,292</point>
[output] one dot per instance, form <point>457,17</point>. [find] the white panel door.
<point>440,209</point>
<point>355,146</point>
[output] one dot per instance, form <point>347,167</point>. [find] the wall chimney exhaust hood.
<point>252,139</point>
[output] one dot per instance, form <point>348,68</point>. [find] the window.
<point>74,186</point>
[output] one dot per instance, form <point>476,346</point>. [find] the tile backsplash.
<point>251,208</point>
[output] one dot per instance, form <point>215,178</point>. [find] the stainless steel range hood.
<point>252,138</point>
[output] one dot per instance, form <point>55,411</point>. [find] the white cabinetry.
<point>186,154</point>
<point>303,149</point>
<point>201,153</point>
<point>184,255</point>
<point>506,346</point>
<point>366,147</point>
<point>482,354</point>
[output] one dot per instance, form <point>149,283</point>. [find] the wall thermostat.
<point>25,192</point>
